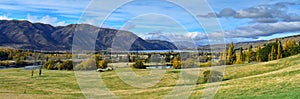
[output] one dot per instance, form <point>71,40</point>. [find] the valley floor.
<point>275,79</point>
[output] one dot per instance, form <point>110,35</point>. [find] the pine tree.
<point>279,51</point>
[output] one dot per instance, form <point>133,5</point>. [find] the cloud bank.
<point>269,13</point>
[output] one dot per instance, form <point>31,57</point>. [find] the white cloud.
<point>4,17</point>
<point>46,20</point>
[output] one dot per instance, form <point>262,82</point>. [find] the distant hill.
<point>38,36</point>
<point>245,45</point>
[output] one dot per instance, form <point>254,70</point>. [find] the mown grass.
<point>18,83</point>
<point>276,79</point>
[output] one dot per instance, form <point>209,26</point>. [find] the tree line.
<point>269,52</point>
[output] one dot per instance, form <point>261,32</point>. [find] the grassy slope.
<point>276,79</point>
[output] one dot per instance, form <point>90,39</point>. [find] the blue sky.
<point>240,20</point>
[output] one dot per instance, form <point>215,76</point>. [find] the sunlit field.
<point>275,79</point>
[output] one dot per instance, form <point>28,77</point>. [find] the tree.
<point>68,65</point>
<point>49,65</point>
<point>223,57</point>
<point>102,64</point>
<point>258,59</point>
<point>68,55</point>
<point>231,54</point>
<point>285,46</point>
<point>10,55</point>
<point>176,63</point>
<point>19,59</point>
<point>139,65</point>
<point>272,54</point>
<point>58,65</point>
<point>279,50</point>
<point>239,58</point>
<point>249,54</point>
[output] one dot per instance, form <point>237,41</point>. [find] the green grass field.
<point>275,79</point>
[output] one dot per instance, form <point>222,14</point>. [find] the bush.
<point>292,51</point>
<point>49,65</point>
<point>89,64</point>
<point>139,65</point>
<point>176,63</point>
<point>212,76</point>
<point>68,65</point>
<point>4,63</point>
<point>58,65</point>
<point>189,63</point>
<point>102,64</point>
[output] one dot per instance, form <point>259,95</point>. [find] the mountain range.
<point>38,36</point>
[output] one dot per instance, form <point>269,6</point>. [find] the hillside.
<point>275,79</point>
<point>38,36</point>
<point>253,43</point>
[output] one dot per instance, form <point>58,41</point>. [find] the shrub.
<point>189,63</point>
<point>208,64</point>
<point>139,65</point>
<point>58,65</point>
<point>49,65</point>
<point>68,65</point>
<point>102,64</point>
<point>212,76</point>
<point>176,63</point>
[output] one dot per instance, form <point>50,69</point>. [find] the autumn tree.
<point>102,64</point>
<point>223,57</point>
<point>258,53</point>
<point>176,63</point>
<point>68,65</point>
<point>49,65</point>
<point>139,65</point>
<point>272,53</point>
<point>10,55</point>
<point>279,50</point>
<point>239,56</point>
<point>249,54</point>
<point>58,65</point>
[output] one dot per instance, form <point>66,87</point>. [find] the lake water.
<point>159,67</point>
<point>26,67</point>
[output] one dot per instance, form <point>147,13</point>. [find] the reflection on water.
<point>25,67</point>
<point>159,67</point>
